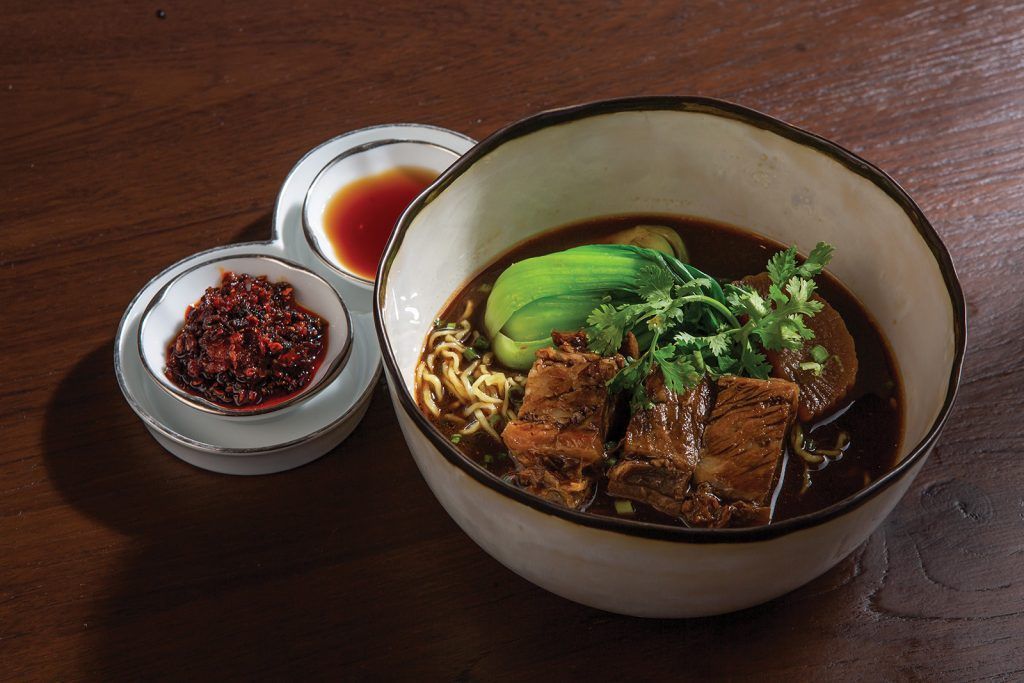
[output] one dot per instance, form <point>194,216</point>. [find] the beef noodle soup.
<point>681,372</point>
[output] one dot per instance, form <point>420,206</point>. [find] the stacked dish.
<point>296,431</point>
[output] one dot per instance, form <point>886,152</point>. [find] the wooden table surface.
<point>129,140</point>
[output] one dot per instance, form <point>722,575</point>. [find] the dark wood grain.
<point>128,141</point>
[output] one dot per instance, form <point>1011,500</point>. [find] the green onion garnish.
<point>456,438</point>
<point>624,507</point>
<point>470,354</point>
<point>819,353</point>
<point>814,368</point>
<point>481,343</point>
<point>488,459</point>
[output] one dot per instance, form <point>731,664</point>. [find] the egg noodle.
<point>456,384</point>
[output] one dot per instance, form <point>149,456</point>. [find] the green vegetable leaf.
<point>679,373</point>
<point>631,380</point>
<point>782,265</point>
<point>654,284</point>
<point>690,326</point>
<point>816,260</point>
<point>719,344</point>
<point>606,328</point>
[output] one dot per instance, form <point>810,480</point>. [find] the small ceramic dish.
<point>291,200</point>
<point>164,315</point>
<point>281,441</point>
<point>362,161</point>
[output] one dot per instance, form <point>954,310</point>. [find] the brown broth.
<point>872,413</point>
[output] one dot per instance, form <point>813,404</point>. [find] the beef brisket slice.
<point>744,438</point>
<point>562,424</point>
<point>662,447</point>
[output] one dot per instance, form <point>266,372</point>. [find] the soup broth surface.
<point>871,413</point>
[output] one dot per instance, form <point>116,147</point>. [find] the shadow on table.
<point>345,563</point>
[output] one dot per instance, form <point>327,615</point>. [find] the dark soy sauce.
<point>360,217</point>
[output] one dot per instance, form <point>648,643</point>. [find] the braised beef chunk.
<point>570,341</point>
<point>744,438</point>
<point>530,441</point>
<point>662,447</point>
<point>703,508</point>
<point>819,394</point>
<point>563,422</point>
<point>560,481</point>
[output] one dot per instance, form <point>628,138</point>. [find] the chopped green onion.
<point>470,354</point>
<point>502,455</point>
<point>612,461</point>
<point>819,353</point>
<point>610,445</point>
<point>481,343</point>
<point>456,438</point>
<point>488,459</point>
<point>494,420</point>
<point>814,368</point>
<point>624,507</point>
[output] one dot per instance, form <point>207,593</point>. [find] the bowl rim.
<point>728,110</point>
<point>207,406</point>
<point>307,228</point>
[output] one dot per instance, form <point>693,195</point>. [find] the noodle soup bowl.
<point>682,156</point>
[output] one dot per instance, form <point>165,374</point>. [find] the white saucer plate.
<point>301,433</point>
<point>287,439</point>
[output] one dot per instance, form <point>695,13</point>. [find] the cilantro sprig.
<point>689,325</point>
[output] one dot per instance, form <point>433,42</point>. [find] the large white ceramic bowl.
<point>700,158</point>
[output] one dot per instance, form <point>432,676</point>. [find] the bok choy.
<point>688,324</point>
<point>559,291</point>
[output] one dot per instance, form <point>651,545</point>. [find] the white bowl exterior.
<point>678,163</point>
<point>166,318</point>
<point>639,576</point>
